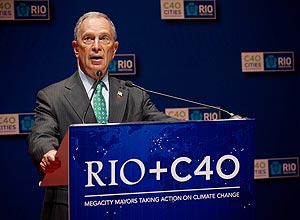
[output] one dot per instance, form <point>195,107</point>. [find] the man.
<point>65,103</point>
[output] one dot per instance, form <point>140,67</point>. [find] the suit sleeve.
<point>45,134</point>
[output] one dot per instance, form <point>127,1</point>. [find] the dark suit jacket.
<point>64,103</point>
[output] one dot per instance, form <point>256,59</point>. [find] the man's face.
<point>95,46</point>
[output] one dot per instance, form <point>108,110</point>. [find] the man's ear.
<point>116,45</point>
<point>75,47</point>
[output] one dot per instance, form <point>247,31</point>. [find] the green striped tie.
<point>99,105</point>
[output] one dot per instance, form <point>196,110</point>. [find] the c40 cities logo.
<point>276,168</point>
<point>19,123</point>
<point>24,10</point>
<point>194,113</point>
<point>188,9</point>
<point>267,61</point>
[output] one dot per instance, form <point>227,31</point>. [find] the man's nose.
<point>97,45</point>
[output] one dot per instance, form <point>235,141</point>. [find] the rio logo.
<point>38,10</point>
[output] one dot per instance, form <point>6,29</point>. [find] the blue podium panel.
<point>182,170</point>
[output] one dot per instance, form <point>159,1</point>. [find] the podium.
<point>160,170</point>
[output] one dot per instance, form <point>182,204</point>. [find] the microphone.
<point>232,116</point>
<point>98,73</point>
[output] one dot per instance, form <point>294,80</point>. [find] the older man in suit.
<point>64,103</point>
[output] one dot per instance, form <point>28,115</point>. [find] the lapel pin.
<point>120,94</point>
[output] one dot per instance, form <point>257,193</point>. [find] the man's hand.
<point>50,163</point>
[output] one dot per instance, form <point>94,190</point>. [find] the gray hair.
<point>93,14</point>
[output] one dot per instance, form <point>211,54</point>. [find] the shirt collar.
<point>88,81</point>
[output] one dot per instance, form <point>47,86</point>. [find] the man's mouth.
<point>96,58</point>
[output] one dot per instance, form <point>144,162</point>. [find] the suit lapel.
<point>117,100</point>
<point>76,95</point>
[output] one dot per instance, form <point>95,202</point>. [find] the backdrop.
<point>199,60</point>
